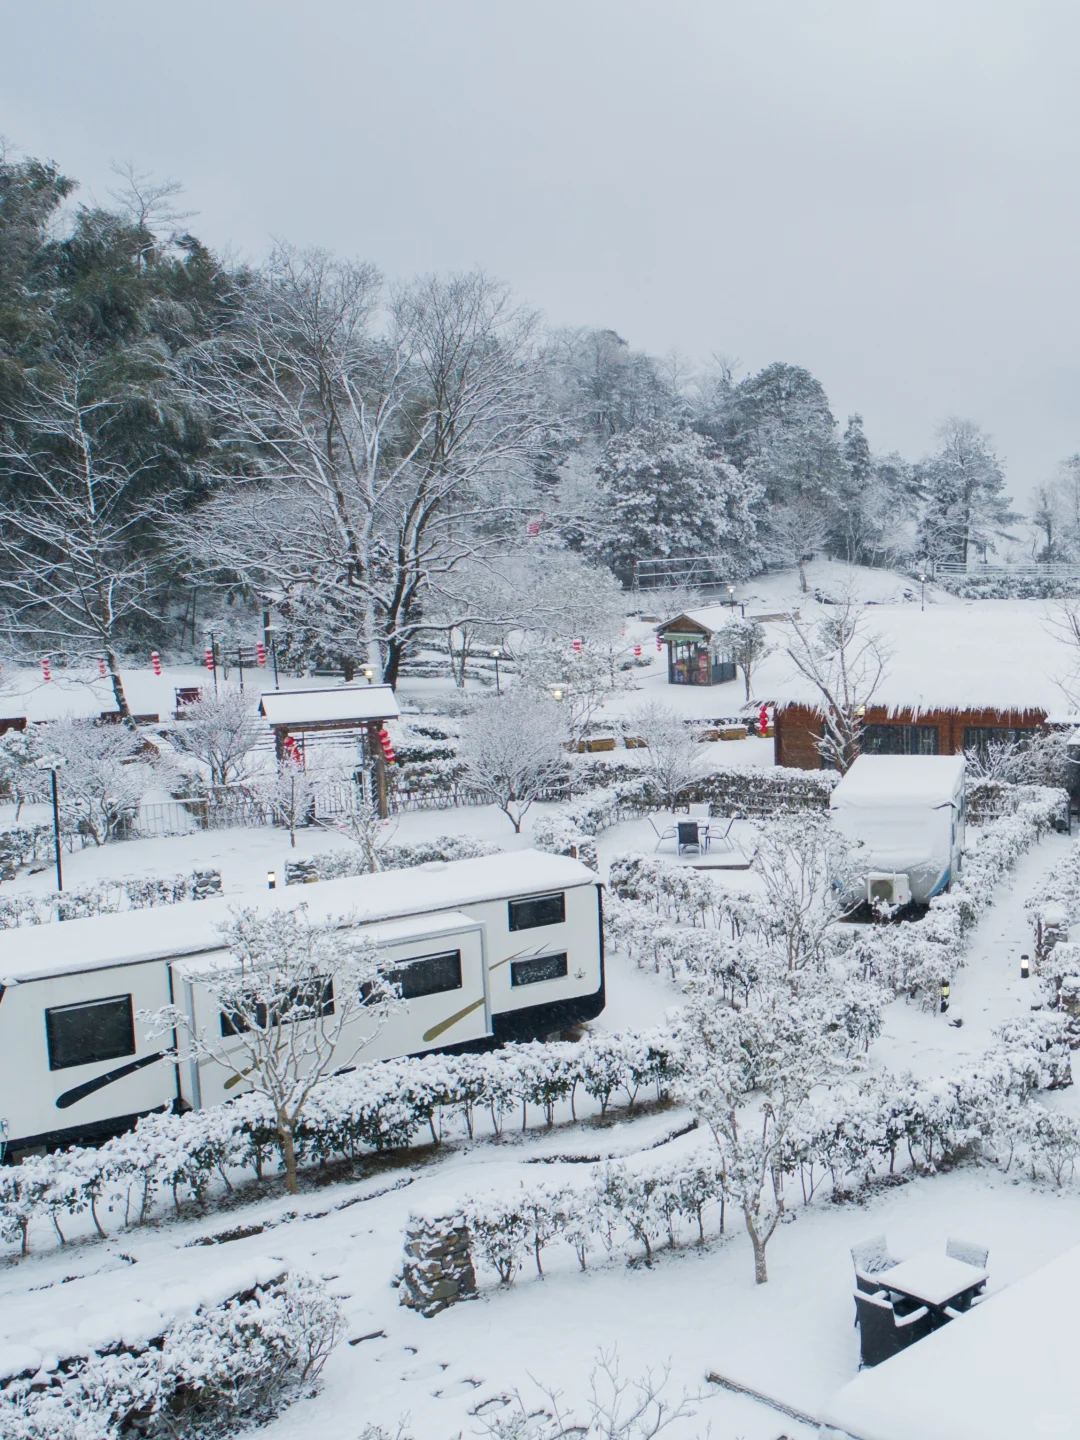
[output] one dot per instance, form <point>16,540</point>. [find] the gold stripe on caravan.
<point>444,1025</point>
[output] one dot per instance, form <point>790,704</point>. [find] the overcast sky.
<point>883,192</point>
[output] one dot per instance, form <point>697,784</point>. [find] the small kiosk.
<point>696,652</point>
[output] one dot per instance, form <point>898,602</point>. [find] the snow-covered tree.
<point>965,508</point>
<point>220,731</point>
<point>291,789</point>
<point>299,998</point>
<point>745,641</point>
<point>672,759</point>
<point>106,770</point>
<point>844,661</point>
<point>513,750</point>
<point>663,491</point>
<point>806,868</point>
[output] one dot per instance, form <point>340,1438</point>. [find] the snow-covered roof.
<point>714,617</point>
<point>988,655</point>
<point>340,704</point>
<point>82,695</point>
<point>890,780</point>
<point>395,932</point>
<point>35,952</point>
<point>1005,1369</point>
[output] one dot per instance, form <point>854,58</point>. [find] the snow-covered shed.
<point>956,678</point>
<point>697,653</point>
<point>1004,1370</point>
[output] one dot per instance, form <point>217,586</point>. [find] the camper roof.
<point>167,932</point>
<point>899,780</point>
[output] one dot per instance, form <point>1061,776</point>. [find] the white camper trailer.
<point>908,813</point>
<point>507,947</point>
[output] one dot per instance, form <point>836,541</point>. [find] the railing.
<point>974,569</point>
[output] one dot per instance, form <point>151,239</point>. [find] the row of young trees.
<point>383,464</point>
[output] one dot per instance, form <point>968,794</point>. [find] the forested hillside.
<point>185,441</point>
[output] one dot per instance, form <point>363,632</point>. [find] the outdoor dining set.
<point>900,1301</point>
<point>696,833</point>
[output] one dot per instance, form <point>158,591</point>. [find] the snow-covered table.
<point>932,1278</point>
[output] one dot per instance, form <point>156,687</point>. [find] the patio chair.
<point>690,837</point>
<point>970,1254</point>
<point>662,833</point>
<point>883,1333</point>
<point>698,812</point>
<point>723,837</point>
<point>870,1259</point>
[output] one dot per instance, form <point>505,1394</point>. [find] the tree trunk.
<point>802,574</point>
<point>288,1153</point>
<point>761,1274</point>
<point>118,687</point>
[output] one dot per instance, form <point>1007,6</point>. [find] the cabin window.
<point>899,740</point>
<point>429,975</point>
<point>540,910</point>
<point>83,1034</point>
<point>299,1002</point>
<point>542,967</point>
<point>981,738</point>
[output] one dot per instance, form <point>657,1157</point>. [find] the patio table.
<point>932,1279</point>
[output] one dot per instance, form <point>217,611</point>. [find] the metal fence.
<point>974,570</point>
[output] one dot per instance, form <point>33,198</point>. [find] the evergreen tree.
<point>663,492</point>
<point>963,483</point>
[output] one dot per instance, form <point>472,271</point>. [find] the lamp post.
<point>731,596</point>
<point>52,763</point>
<point>270,641</point>
<point>369,674</point>
<point>944,996</point>
<point>496,652</point>
<point>922,592</point>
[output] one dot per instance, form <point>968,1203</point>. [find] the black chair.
<point>883,1333</point>
<point>870,1259</point>
<point>689,836</point>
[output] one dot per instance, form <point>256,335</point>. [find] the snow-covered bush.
<point>107,897</point>
<point>338,864</point>
<point>221,1368</point>
<point>107,770</point>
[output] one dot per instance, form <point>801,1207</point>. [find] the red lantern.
<point>260,652</point>
<point>763,720</point>
<point>292,752</point>
<point>387,747</point>
<point>659,643</point>
<point>155,661</point>
<point>534,527</point>
<point>575,645</point>
<point>45,667</point>
<point>637,652</point>
<point>103,669</point>
<point>209,657</point>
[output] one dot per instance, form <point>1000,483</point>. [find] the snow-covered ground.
<point>695,1308</point>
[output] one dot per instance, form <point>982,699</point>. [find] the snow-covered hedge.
<point>376,1107</point>
<point>107,897</point>
<point>202,1369</point>
<point>336,865</point>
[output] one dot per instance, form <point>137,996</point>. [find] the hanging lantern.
<point>103,669</point>
<point>260,653</point>
<point>637,652</point>
<point>533,527</point>
<point>46,672</point>
<point>575,645</point>
<point>209,657</point>
<point>659,643</point>
<point>155,662</point>
<point>387,747</point>
<point>763,719</point>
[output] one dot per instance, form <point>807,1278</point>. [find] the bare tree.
<point>673,759</point>
<point>844,662</point>
<point>298,1000</point>
<point>71,508</point>
<point>290,791</point>
<point>361,461</point>
<point>807,868</point>
<point>513,751</point>
<point>147,203</point>
<point>220,731</point>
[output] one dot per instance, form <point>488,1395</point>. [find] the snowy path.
<point>986,991</point>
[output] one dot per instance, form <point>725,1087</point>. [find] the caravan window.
<point>97,1030</point>
<point>540,910</point>
<point>430,975</point>
<point>543,967</point>
<point>297,1003</point>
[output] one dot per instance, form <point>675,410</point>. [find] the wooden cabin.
<point>798,729</point>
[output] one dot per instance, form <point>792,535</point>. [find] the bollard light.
<point>271,879</point>
<point>557,693</point>
<point>1025,967</point>
<point>369,674</point>
<point>944,996</point>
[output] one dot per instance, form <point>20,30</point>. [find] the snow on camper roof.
<point>1004,1370</point>
<point>173,931</point>
<point>890,780</point>
<point>339,704</point>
